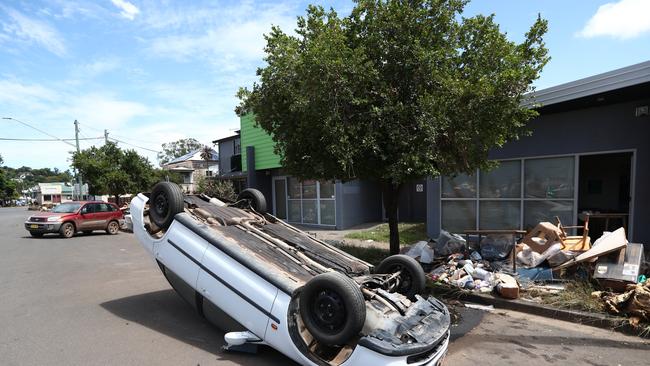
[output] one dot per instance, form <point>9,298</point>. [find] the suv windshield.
<point>69,207</point>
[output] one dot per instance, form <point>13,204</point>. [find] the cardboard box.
<point>618,269</point>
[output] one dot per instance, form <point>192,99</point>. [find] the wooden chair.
<point>578,243</point>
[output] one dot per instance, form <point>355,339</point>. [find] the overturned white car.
<point>309,300</point>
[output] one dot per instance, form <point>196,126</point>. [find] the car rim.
<point>161,204</point>
<point>112,227</point>
<point>67,231</point>
<point>328,311</point>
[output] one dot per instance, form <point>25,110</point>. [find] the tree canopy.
<point>110,170</point>
<point>393,92</point>
<point>176,149</point>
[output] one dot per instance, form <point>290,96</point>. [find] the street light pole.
<point>106,136</point>
<point>79,180</point>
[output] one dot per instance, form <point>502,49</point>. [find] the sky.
<point>151,72</point>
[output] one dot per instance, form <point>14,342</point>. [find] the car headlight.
<point>53,218</point>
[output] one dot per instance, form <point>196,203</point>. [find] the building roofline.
<point>592,85</point>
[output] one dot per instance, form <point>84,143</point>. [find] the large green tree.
<point>396,91</point>
<point>110,170</point>
<point>176,149</point>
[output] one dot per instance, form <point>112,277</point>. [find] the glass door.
<point>280,197</point>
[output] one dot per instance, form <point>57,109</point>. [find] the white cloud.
<point>23,28</point>
<point>95,68</point>
<point>226,37</point>
<point>623,19</point>
<point>127,9</point>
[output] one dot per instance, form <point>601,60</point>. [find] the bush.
<point>221,189</point>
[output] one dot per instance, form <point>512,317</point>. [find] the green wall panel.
<point>252,135</point>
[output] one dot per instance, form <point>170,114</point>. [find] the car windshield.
<point>69,207</point>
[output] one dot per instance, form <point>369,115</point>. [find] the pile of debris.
<point>544,259</point>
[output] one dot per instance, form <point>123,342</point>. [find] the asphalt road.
<point>100,300</point>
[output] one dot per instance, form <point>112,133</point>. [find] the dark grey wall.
<point>596,129</point>
<point>357,202</point>
<point>412,204</point>
<point>226,151</point>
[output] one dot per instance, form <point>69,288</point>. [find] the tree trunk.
<point>390,194</point>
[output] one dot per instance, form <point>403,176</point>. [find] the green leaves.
<point>176,149</point>
<point>394,92</point>
<point>111,170</point>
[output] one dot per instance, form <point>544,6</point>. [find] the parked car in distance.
<point>69,218</point>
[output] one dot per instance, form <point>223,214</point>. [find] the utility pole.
<point>106,136</point>
<point>76,137</point>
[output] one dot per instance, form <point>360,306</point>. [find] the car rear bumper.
<point>43,227</point>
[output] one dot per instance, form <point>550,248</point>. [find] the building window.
<point>208,173</point>
<point>236,146</point>
<point>47,197</point>
<point>309,202</point>
<point>516,195</point>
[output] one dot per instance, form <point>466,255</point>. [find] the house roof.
<point>191,156</point>
<point>227,138</point>
<point>625,77</point>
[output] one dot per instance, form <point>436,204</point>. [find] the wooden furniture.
<point>579,243</point>
<point>516,236</point>
<point>607,217</point>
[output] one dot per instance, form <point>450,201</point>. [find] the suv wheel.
<point>67,230</point>
<point>113,227</point>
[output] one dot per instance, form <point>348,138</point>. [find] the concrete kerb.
<point>604,321</point>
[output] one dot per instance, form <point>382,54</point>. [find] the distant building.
<point>192,167</point>
<point>230,161</point>
<point>49,194</point>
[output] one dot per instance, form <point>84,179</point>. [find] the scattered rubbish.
<point>496,246</point>
<point>540,274</point>
<point>421,251</point>
<point>634,302</point>
<point>542,236</point>
<point>449,243</point>
<point>507,286</point>
<point>475,256</point>
<point>530,258</point>
<point>479,307</point>
<point>609,242</point>
<point>618,269</point>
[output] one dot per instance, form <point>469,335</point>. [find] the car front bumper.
<point>434,357</point>
<point>42,227</point>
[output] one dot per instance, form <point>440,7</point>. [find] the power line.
<point>39,130</point>
<point>139,147</point>
<point>45,140</point>
<point>121,137</point>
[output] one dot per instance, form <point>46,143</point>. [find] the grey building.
<point>589,152</point>
<point>229,149</point>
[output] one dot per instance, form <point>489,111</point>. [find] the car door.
<point>104,214</point>
<point>238,291</point>
<point>84,222</point>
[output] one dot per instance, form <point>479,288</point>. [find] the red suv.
<point>71,217</point>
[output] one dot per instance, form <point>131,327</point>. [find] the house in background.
<point>230,166</point>
<point>325,204</point>
<point>589,152</point>
<point>50,194</point>
<point>191,167</point>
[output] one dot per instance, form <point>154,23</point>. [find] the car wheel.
<point>113,227</point>
<point>255,197</point>
<point>166,201</point>
<point>67,230</point>
<point>36,235</point>
<point>332,308</point>
<point>87,232</point>
<point>412,278</point>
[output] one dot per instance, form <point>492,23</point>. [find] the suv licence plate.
<point>34,226</point>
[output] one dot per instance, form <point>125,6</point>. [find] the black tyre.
<point>332,308</point>
<point>113,227</point>
<point>35,234</point>
<point>67,230</point>
<point>255,197</point>
<point>412,278</point>
<point>165,202</point>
